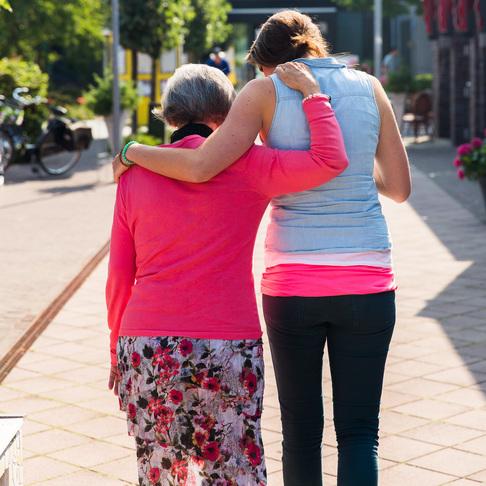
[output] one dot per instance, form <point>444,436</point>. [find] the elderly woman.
<point>185,335</point>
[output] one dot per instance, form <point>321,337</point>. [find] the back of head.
<point>196,93</point>
<point>285,36</point>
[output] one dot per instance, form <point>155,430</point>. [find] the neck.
<point>200,129</point>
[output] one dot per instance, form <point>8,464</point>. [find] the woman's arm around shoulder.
<point>273,172</point>
<point>392,169</point>
<point>229,142</point>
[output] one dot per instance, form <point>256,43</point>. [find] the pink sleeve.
<point>121,269</point>
<point>274,172</point>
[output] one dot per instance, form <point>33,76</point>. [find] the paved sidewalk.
<point>433,422</point>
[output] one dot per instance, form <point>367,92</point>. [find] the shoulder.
<point>260,87</point>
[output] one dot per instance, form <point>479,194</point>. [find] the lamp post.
<point>115,20</point>
<point>378,37</point>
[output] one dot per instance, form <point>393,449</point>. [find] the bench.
<point>10,451</point>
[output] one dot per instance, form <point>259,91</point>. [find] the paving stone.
<point>401,449</point>
<point>475,419</point>
<point>442,434</point>
<point>452,461</point>
<point>42,468</point>
<point>407,474</point>
<point>430,409</point>
<point>91,454</point>
<point>52,440</point>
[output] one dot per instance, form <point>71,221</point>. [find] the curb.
<point>40,323</point>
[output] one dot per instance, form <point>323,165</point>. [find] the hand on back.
<point>298,76</point>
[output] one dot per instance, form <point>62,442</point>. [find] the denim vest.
<point>344,215</point>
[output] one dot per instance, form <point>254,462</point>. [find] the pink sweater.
<point>181,253</point>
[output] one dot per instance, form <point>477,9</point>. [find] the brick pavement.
<point>433,419</point>
<point>40,218</point>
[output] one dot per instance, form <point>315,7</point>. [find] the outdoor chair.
<point>419,114</point>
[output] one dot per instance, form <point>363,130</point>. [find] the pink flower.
<point>200,437</point>
<point>154,475</point>
<point>136,360</point>
<point>457,162</point>
<point>175,396</point>
<point>211,451</point>
<point>179,470</point>
<point>185,347</point>
<point>254,454</point>
<point>461,174</point>
<point>132,411</point>
<point>464,149</point>
<point>212,384</point>
<point>476,143</point>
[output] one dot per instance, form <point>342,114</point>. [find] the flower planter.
<point>398,103</point>
<point>482,185</point>
<point>109,126</point>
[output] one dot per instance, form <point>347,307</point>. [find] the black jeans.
<point>358,330</point>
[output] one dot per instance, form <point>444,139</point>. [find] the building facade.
<point>457,30</point>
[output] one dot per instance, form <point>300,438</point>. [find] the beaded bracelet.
<point>123,155</point>
<point>317,95</point>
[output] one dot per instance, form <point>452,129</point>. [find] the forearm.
<point>117,297</point>
<point>176,163</point>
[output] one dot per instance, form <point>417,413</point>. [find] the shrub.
<point>399,81</point>
<point>422,82</point>
<point>143,137</point>
<point>99,97</point>
<point>15,72</point>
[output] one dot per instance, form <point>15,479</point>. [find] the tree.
<point>390,7</point>
<point>209,26</point>
<point>153,25</point>
<point>49,31</point>
<point>5,5</point>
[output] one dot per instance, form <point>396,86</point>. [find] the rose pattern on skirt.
<point>194,407</point>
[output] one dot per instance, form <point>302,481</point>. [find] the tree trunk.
<point>135,83</point>
<point>482,82</point>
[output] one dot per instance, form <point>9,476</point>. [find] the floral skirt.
<point>194,407</point>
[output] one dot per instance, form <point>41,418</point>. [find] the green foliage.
<point>19,73</point>
<point>5,5</point>
<point>99,98</point>
<point>144,138</point>
<point>422,82</point>
<point>153,25</point>
<point>390,7</point>
<point>209,26</point>
<point>50,31</point>
<point>400,81</point>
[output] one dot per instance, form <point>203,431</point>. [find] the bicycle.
<point>56,150</point>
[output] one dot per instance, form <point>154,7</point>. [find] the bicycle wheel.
<point>53,154</point>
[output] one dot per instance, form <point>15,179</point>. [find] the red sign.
<point>445,17</point>
<point>430,13</point>
<point>480,13</point>
<point>463,16</point>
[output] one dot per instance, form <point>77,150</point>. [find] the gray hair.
<point>196,93</point>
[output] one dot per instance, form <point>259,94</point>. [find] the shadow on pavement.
<point>460,307</point>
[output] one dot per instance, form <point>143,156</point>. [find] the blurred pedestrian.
<point>218,60</point>
<point>391,62</point>
<point>187,358</point>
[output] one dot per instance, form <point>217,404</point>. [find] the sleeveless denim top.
<point>343,216</point>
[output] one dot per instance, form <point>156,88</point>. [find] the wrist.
<point>124,157</point>
<point>321,96</point>
<point>310,90</point>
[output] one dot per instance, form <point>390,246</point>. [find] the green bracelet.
<point>123,157</point>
